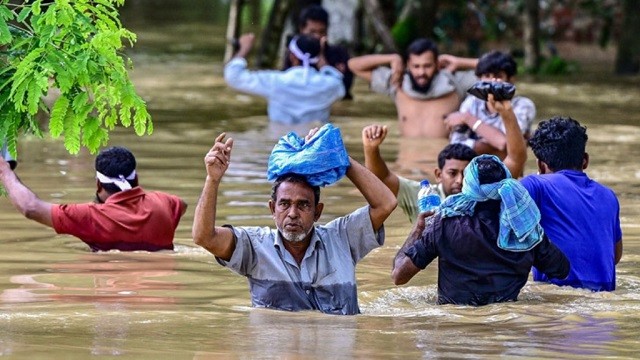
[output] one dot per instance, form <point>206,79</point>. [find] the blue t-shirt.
<point>582,217</point>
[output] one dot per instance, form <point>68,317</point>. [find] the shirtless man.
<point>424,94</point>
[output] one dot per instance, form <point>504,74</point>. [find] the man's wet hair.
<point>560,142</point>
<point>113,162</point>
<point>495,62</point>
<point>308,44</point>
<point>421,46</point>
<point>490,170</point>
<point>296,179</point>
<point>313,13</point>
<point>456,152</point>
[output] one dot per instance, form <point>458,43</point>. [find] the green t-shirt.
<point>408,196</point>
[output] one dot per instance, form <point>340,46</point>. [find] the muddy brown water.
<point>58,300</point>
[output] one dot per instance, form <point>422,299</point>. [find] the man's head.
<point>115,166</point>
<point>452,161</point>
<point>490,170</point>
<point>295,206</point>
<point>313,21</point>
<point>559,144</point>
<point>496,64</point>
<point>422,63</point>
<point>303,47</point>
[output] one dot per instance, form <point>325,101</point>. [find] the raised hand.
<point>310,135</point>
<point>374,135</point>
<point>217,159</point>
<point>245,44</point>
<point>499,106</point>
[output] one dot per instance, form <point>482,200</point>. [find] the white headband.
<point>306,58</point>
<point>121,181</point>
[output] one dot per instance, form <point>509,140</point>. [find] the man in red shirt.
<point>123,217</point>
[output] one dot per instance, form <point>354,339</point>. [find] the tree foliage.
<point>73,46</point>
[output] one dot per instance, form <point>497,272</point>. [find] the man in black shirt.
<point>486,240</point>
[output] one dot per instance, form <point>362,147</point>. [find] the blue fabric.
<point>520,228</point>
<point>582,218</point>
<point>323,160</point>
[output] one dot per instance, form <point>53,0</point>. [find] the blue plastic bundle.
<point>323,160</point>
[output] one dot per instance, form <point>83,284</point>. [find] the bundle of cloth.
<point>322,159</point>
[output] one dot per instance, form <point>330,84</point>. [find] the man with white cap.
<point>300,94</point>
<point>124,216</point>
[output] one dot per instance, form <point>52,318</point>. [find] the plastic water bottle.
<point>428,198</point>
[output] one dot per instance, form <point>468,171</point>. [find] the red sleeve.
<point>71,218</point>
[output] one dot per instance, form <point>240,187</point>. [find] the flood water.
<point>59,300</point>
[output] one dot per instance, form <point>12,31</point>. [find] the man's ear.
<point>585,161</point>
<point>438,173</point>
<point>318,212</point>
<point>272,207</point>
<point>543,168</point>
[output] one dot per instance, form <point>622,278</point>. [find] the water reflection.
<point>110,277</point>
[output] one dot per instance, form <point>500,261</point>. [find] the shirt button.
<point>308,292</point>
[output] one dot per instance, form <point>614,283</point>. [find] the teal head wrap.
<point>520,228</point>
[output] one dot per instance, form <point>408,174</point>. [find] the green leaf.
<point>24,13</point>
<point>58,115</point>
<point>71,133</point>
<point>5,34</point>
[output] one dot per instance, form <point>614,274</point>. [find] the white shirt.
<point>296,95</point>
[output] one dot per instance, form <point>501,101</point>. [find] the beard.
<point>294,237</point>
<point>417,87</point>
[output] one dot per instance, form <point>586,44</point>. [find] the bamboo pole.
<point>233,28</point>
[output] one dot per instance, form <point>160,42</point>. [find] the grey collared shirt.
<point>324,281</point>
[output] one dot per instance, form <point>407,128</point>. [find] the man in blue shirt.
<point>579,215</point>
<point>298,265</point>
<point>297,95</point>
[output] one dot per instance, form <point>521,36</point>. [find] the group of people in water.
<point>489,233</point>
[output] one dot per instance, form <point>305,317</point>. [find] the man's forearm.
<point>362,66</point>
<point>204,222</point>
<point>25,200</point>
<point>515,143</point>
<point>381,200</point>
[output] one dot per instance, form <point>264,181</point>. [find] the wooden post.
<point>233,27</point>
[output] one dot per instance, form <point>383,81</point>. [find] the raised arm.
<point>23,198</point>
<point>381,200</point>
<point>455,63</point>
<point>216,239</point>
<point>372,138</point>
<point>363,66</point>
<point>493,140</point>
<point>245,45</point>
<point>515,143</point>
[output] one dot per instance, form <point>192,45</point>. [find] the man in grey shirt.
<point>298,265</point>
